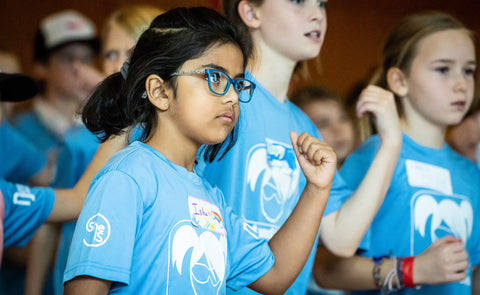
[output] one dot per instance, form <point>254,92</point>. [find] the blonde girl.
<point>259,176</point>
<point>427,224</point>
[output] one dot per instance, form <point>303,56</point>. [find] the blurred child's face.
<point>61,71</point>
<point>201,116</point>
<point>295,29</point>
<point>334,125</point>
<point>116,49</point>
<point>440,82</point>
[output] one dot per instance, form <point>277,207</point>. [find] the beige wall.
<point>356,28</point>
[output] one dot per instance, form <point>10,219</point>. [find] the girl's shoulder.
<point>466,164</point>
<point>133,160</point>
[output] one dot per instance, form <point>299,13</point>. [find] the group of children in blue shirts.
<point>161,215</point>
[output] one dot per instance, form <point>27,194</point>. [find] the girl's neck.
<point>173,148</point>
<point>272,70</point>
<point>421,129</point>
<point>424,133</point>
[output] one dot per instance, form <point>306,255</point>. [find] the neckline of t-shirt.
<point>182,171</point>
<point>420,146</point>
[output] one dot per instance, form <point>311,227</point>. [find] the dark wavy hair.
<point>179,35</point>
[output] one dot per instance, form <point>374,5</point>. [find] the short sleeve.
<point>357,164</point>
<point>26,209</point>
<point>104,237</point>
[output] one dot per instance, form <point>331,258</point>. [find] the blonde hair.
<point>401,47</point>
<point>133,19</point>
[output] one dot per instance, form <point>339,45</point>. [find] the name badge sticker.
<point>429,176</point>
<point>205,215</point>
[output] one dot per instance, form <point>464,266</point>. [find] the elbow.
<point>322,274</point>
<point>322,280</point>
<point>339,249</point>
<point>344,252</point>
<point>327,269</point>
<point>341,243</point>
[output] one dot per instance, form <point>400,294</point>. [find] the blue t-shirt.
<point>26,209</point>
<point>260,176</point>
<point>19,158</point>
<point>433,193</point>
<point>74,155</point>
<point>152,227</point>
<point>30,126</point>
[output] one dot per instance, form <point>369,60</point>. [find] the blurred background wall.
<point>356,29</point>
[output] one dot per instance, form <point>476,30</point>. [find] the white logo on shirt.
<point>435,215</point>
<point>100,227</point>
<point>429,176</point>
<point>199,255</point>
<point>273,174</point>
<point>23,196</point>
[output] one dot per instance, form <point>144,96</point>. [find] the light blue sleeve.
<point>357,164</point>
<point>104,237</point>
<point>26,209</point>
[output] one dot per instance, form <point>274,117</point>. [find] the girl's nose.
<point>317,13</point>
<point>461,83</point>
<point>231,96</point>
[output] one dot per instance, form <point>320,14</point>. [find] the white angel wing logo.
<point>207,260</point>
<point>449,216</point>
<point>277,182</point>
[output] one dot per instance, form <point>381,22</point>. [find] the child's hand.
<point>317,159</point>
<point>444,261</point>
<point>380,103</point>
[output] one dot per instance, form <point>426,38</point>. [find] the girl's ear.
<point>158,91</point>
<point>397,81</point>
<point>249,14</point>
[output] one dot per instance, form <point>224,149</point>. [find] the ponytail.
<point>105,113</point>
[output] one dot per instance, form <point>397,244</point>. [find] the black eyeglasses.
<point>219,83</point>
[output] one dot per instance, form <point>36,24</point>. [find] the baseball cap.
<point>63,28</point>
<point>16,87</point>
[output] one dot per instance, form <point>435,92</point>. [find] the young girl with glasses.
<point>427,224</point>
<point>259,176</point>
<point>150,224</point>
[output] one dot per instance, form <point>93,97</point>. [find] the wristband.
<point>399,265</point>
<point>376,270</point>
<point>407,272</point>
